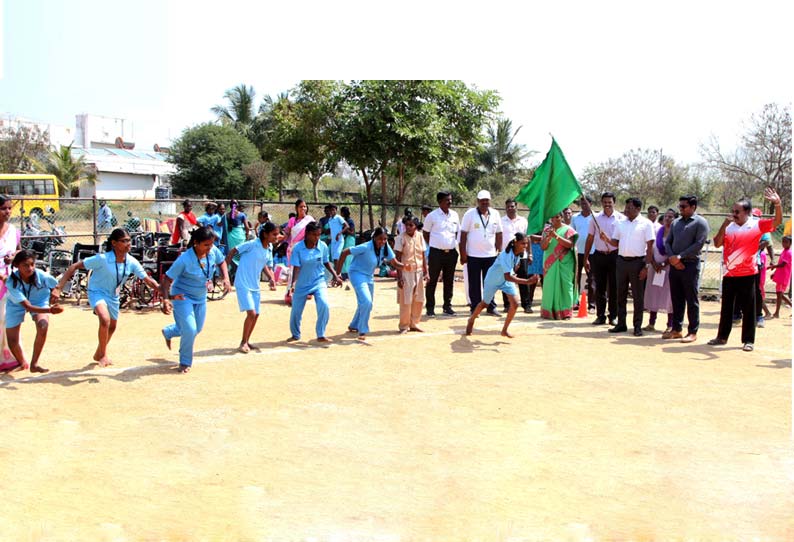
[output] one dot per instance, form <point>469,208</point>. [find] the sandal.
<point>748,347</point>
<point>717,342</point>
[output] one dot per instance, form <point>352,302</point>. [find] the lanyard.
<point>123,274</point>
<point>484,222</point>
<point>30,288</point>
<point>207,271</point>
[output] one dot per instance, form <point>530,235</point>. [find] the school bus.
<point>39,192</point>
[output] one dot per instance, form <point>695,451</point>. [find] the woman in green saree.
<point>559,265</point>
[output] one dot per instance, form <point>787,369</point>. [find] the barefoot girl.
<point>255,256</point>
<point>109,271</point>
<point>29,291</point>
<point>191,274</point>
<point>501,276</point>
<point>365,258</point>
<point>782,275</point>
<point>310,259</point>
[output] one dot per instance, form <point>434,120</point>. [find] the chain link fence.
<point>76,220</point>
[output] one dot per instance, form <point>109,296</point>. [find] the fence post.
<point>360,216</point>
<point>93,219</point>
<point>21,215</point>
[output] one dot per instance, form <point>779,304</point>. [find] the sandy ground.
<point>563,433</point>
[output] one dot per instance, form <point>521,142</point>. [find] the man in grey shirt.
<point>682,247</point>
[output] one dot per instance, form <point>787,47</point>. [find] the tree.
<point>762,159</point>
<point>239,111</point>
<point>21,147</point>
<point>651,175</point>
<point>302,130</point>
<point>69,171</point>
<point>210,159</point>
<point>394,131</point>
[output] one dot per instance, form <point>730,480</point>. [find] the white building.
<point>58,134</point>
<point>125,174</point>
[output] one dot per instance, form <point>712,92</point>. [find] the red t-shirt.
<point>740,245</point>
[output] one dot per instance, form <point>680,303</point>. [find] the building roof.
<point>126,161</point>
<point>123,153</point>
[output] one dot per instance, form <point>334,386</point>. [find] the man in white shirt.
<point>603,261</point>
<point>581,223</point>
<point>511,224</point>
<point>440,230</point>
<point>634,238</point>
<point>480,235</point>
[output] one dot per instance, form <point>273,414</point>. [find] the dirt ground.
<point>563,433</point>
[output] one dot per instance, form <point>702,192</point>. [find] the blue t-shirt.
<point>505,262</point>
<point>190,275</point>
<point>213,221</point>
<point>312,263</point>
<point>365,260</point>
<point>36,293</point>
<point>253,258</point>
<point>108,275</point>
<point>336,224</point>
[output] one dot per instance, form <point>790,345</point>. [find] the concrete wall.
<point>121,186</point>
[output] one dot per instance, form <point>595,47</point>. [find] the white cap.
<point>483,194</point>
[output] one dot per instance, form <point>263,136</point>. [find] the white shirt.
<point>481,232</point>
<point>604,224</point>
<point>581,224</point>
<point>633,236</point>
<point>510,227</point>
<point>443,229</point>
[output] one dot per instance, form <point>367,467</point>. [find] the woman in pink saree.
<point>294,234</point>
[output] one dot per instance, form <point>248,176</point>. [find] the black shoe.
<point>618,329</point>
<point>528,309</point>
<point>431,313</point>
<point>448,311</point>
<point>494,312</point>
<point>613,322</point>
<point>637,332</point>
<point>600,321</point>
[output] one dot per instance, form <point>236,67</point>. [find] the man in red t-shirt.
<point>739,235</point>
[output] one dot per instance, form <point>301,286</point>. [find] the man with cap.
<point>480,235</point>
<point>440,230</point>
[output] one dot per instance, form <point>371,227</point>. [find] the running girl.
<point>365,258</point>
<point>28,291</point>
<point>109,271</point>
<point>310,259</point>
<point>255,256</point>
<point>501,276</point>
<point>191,274</point>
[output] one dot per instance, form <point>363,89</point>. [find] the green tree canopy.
<point>210,161</point>
<point>69,171</point>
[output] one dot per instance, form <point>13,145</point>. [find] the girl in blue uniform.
<point>109,271</point>
<point>187,282</point>
<point>255,256</point>
<point>29,291</point>
<point>501,276</point>
<point>310,259</point>
<point>364,259</point>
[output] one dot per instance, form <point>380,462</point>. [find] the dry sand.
<point>563,433</point>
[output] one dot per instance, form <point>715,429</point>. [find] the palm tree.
<point>239,112</point>
<point>500,155</point>
<point>69,171</point>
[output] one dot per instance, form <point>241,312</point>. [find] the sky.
<point>602,77</point>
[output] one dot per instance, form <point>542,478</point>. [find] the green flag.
<point>551,190</point>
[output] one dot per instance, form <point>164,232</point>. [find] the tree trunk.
<point>368,187</point>
<point>383,199</point>
<point>400,196</point>
<point>315,183</point>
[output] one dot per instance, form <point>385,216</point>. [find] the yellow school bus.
<point>36,193</point>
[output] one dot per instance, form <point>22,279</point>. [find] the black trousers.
<point>628,275</point>
<point>523,289</point>
<point>742,292</point>
<point>476,268</point>
<point>602,267</point>
<point>684,295</point>
<point>589,283</point>
<point>439,262</point>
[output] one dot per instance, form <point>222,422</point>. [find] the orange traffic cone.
<point>582,304</point>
